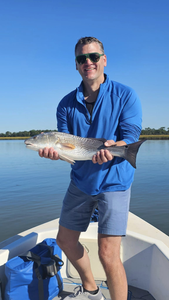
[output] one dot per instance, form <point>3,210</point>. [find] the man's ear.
<point>105,60</point>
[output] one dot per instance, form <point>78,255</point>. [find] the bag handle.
<point>58,261</point>
<point>37,260</point>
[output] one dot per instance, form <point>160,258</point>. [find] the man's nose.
<point>88,61</point>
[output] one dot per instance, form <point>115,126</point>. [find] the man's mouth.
<point>89,69</point>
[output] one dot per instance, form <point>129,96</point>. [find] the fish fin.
<point>67,146</point>
<point>131,152</point>
<point>65,158</point>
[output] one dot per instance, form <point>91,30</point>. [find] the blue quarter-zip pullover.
<point>116,115</point>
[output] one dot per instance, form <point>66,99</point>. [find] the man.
<point>98,108</point>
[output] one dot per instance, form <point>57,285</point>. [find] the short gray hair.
<point>88,40</point>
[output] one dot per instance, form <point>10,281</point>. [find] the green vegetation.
<point>152,131</point>
<point>155,134</point>
<point>148,133</point>
<point>14,138</point>
<point>22,134</point>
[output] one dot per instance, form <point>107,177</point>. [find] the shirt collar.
<point>79,90</point>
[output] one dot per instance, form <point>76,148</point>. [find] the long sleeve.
<point>131,119</point>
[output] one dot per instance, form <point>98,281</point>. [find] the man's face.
<point>91,71</point>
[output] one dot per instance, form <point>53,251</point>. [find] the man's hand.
<point>49,153</point>
<point>103,155</point>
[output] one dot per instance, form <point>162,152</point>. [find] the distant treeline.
<point>146,131</point>
<point>23,133</point>
<point>153,131</point>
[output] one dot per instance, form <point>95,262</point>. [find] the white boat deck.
<point>144,253</point>
<point>69,286</point>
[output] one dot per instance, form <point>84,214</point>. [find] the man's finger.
<point>102,156</point>
<point>108,155</point>
<point>94,159</point>
<point>41,152</point>
<point>109,143</point>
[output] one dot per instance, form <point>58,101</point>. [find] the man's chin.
<point>90,76</point>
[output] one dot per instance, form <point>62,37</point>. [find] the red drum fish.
<point>73,148</point>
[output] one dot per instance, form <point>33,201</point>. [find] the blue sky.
<point>37,67</point>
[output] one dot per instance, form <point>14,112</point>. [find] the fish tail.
<point>131,151</point>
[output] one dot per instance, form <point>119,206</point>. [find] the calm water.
<point>32,188</point>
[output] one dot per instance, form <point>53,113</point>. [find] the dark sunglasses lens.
<point>81,59</point>
<point>94,57</point>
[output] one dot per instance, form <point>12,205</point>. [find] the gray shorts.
<point>113,208</point>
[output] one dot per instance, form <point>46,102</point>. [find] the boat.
<point>144,253</point>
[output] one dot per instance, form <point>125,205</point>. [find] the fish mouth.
<point>31,146</point>
<point>28,143</point>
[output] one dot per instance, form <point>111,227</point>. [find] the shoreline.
<point>148,137</point>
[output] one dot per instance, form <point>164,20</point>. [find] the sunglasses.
<point>94,57</point>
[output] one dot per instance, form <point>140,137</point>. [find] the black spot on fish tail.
<point>131,151</point>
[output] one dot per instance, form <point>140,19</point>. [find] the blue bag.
<point>36,275</point>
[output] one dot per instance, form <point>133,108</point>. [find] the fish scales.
<point>81,149</point>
